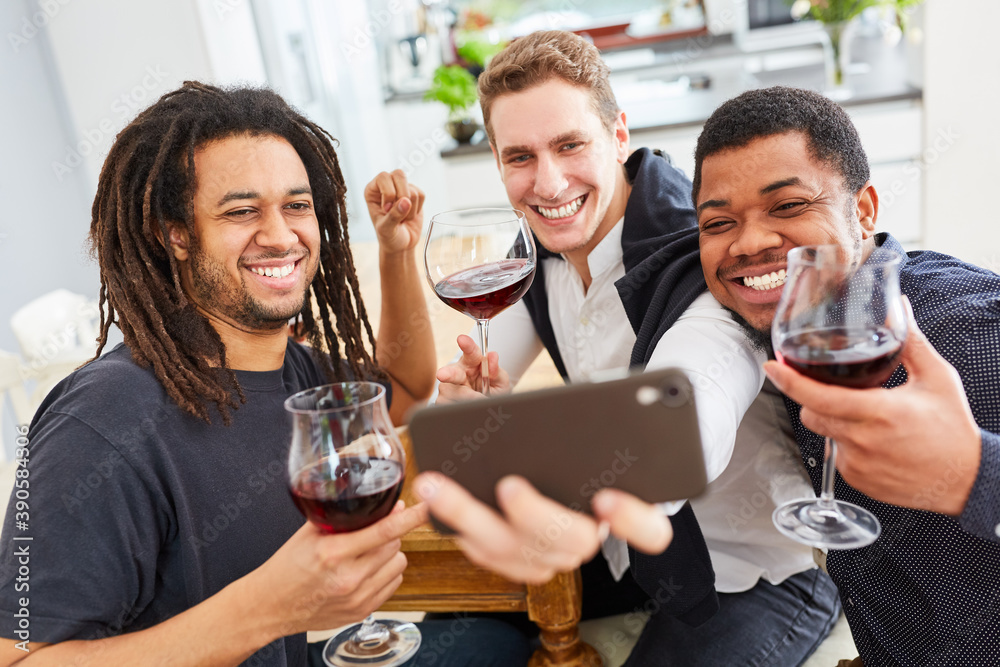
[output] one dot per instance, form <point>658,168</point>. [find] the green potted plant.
<point>455,87</point>
<point>837,15</point>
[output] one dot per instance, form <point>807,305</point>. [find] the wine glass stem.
<point>370,630</point>
<point>829,475</point>
<point>485,370</point>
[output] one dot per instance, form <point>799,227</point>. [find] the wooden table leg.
<point>555,607</point>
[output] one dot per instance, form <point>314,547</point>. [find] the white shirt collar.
<point>607,254</point>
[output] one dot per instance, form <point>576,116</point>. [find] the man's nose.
<point>549,179</point>
<point>275,231</point>
<point>754,237</point>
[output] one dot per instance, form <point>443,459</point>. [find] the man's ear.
<point>178,240</point>
<point>621,138</point>
<point>867,210</point>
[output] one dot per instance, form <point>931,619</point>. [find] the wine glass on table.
<point>842,323</point>
<point>480,261</point>
<point>345,469</point>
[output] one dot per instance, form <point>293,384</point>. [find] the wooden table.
<point>439,578</point>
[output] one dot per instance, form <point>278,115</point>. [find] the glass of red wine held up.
<point>480,261</point>
<point>841,322</point>
<point>345,469</point>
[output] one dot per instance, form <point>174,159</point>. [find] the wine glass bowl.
<point>346,462</point>
<point>345,469</point>
<point>480,262</point>
<point>839,321</point>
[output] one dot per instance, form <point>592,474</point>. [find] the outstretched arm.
<point>726,374</point>
<point>315,581</point>
<point>724,370</point>
<point>405,339</point>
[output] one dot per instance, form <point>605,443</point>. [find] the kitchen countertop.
<point>655,97</point>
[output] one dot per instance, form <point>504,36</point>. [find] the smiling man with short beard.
<point>220,213</point>
<point>780,168</point>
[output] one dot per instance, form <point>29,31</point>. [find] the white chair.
<point>12,385</point>
<point>56,332</point>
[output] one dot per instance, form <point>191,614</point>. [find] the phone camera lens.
<point>675,394</point>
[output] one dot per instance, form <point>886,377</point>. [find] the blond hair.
<point>536,58</point>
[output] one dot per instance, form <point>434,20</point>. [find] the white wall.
<point>116,57</point>
<point>43,218</point>
<point>961,138</point>
<point>73,73</point>
<point>353,92</point>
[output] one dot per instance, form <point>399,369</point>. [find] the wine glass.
<point>345,470</point>
<point>480,261</point>
<point>842,323</point>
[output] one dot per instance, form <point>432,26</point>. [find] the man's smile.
<point>566,210</point>
<point>277,272</point>
<point>757,284</point>
<point>765,281</point>
<point>276,275</point>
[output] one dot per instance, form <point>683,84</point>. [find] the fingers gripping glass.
<point>844,324</point>
<point>345,469</point>
<point>480,261</point>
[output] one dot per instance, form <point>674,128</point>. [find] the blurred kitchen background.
<point>74,72</point>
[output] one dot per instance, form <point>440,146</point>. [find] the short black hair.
<point>832,136</point>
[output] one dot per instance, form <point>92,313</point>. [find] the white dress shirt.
<point>595,339</point>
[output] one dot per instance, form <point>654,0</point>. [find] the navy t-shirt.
<point>139,511</point>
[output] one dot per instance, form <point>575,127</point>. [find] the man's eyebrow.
<point>566,137</point>
<point>238,194</point>
<point>513,150</point>
<point>712,203</point>
<point>777,185</point>
<point>766,190</point>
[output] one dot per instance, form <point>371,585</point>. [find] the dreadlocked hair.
<point>148,180</point>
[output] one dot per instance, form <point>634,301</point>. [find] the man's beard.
<point>214,291</point>
<point>759,340</point>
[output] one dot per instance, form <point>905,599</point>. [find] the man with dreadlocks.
<point>158,492</point>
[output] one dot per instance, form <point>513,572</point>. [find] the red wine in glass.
<point>858,359</point>
<point>350,495</point>
<point>345,472</point>
<point>485,291</point>
<point>480,261</point>
<point>840,320</point>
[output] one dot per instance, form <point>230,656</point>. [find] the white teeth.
<point>276,272</point>
<point>766,281</point>
<point>563,211</point>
